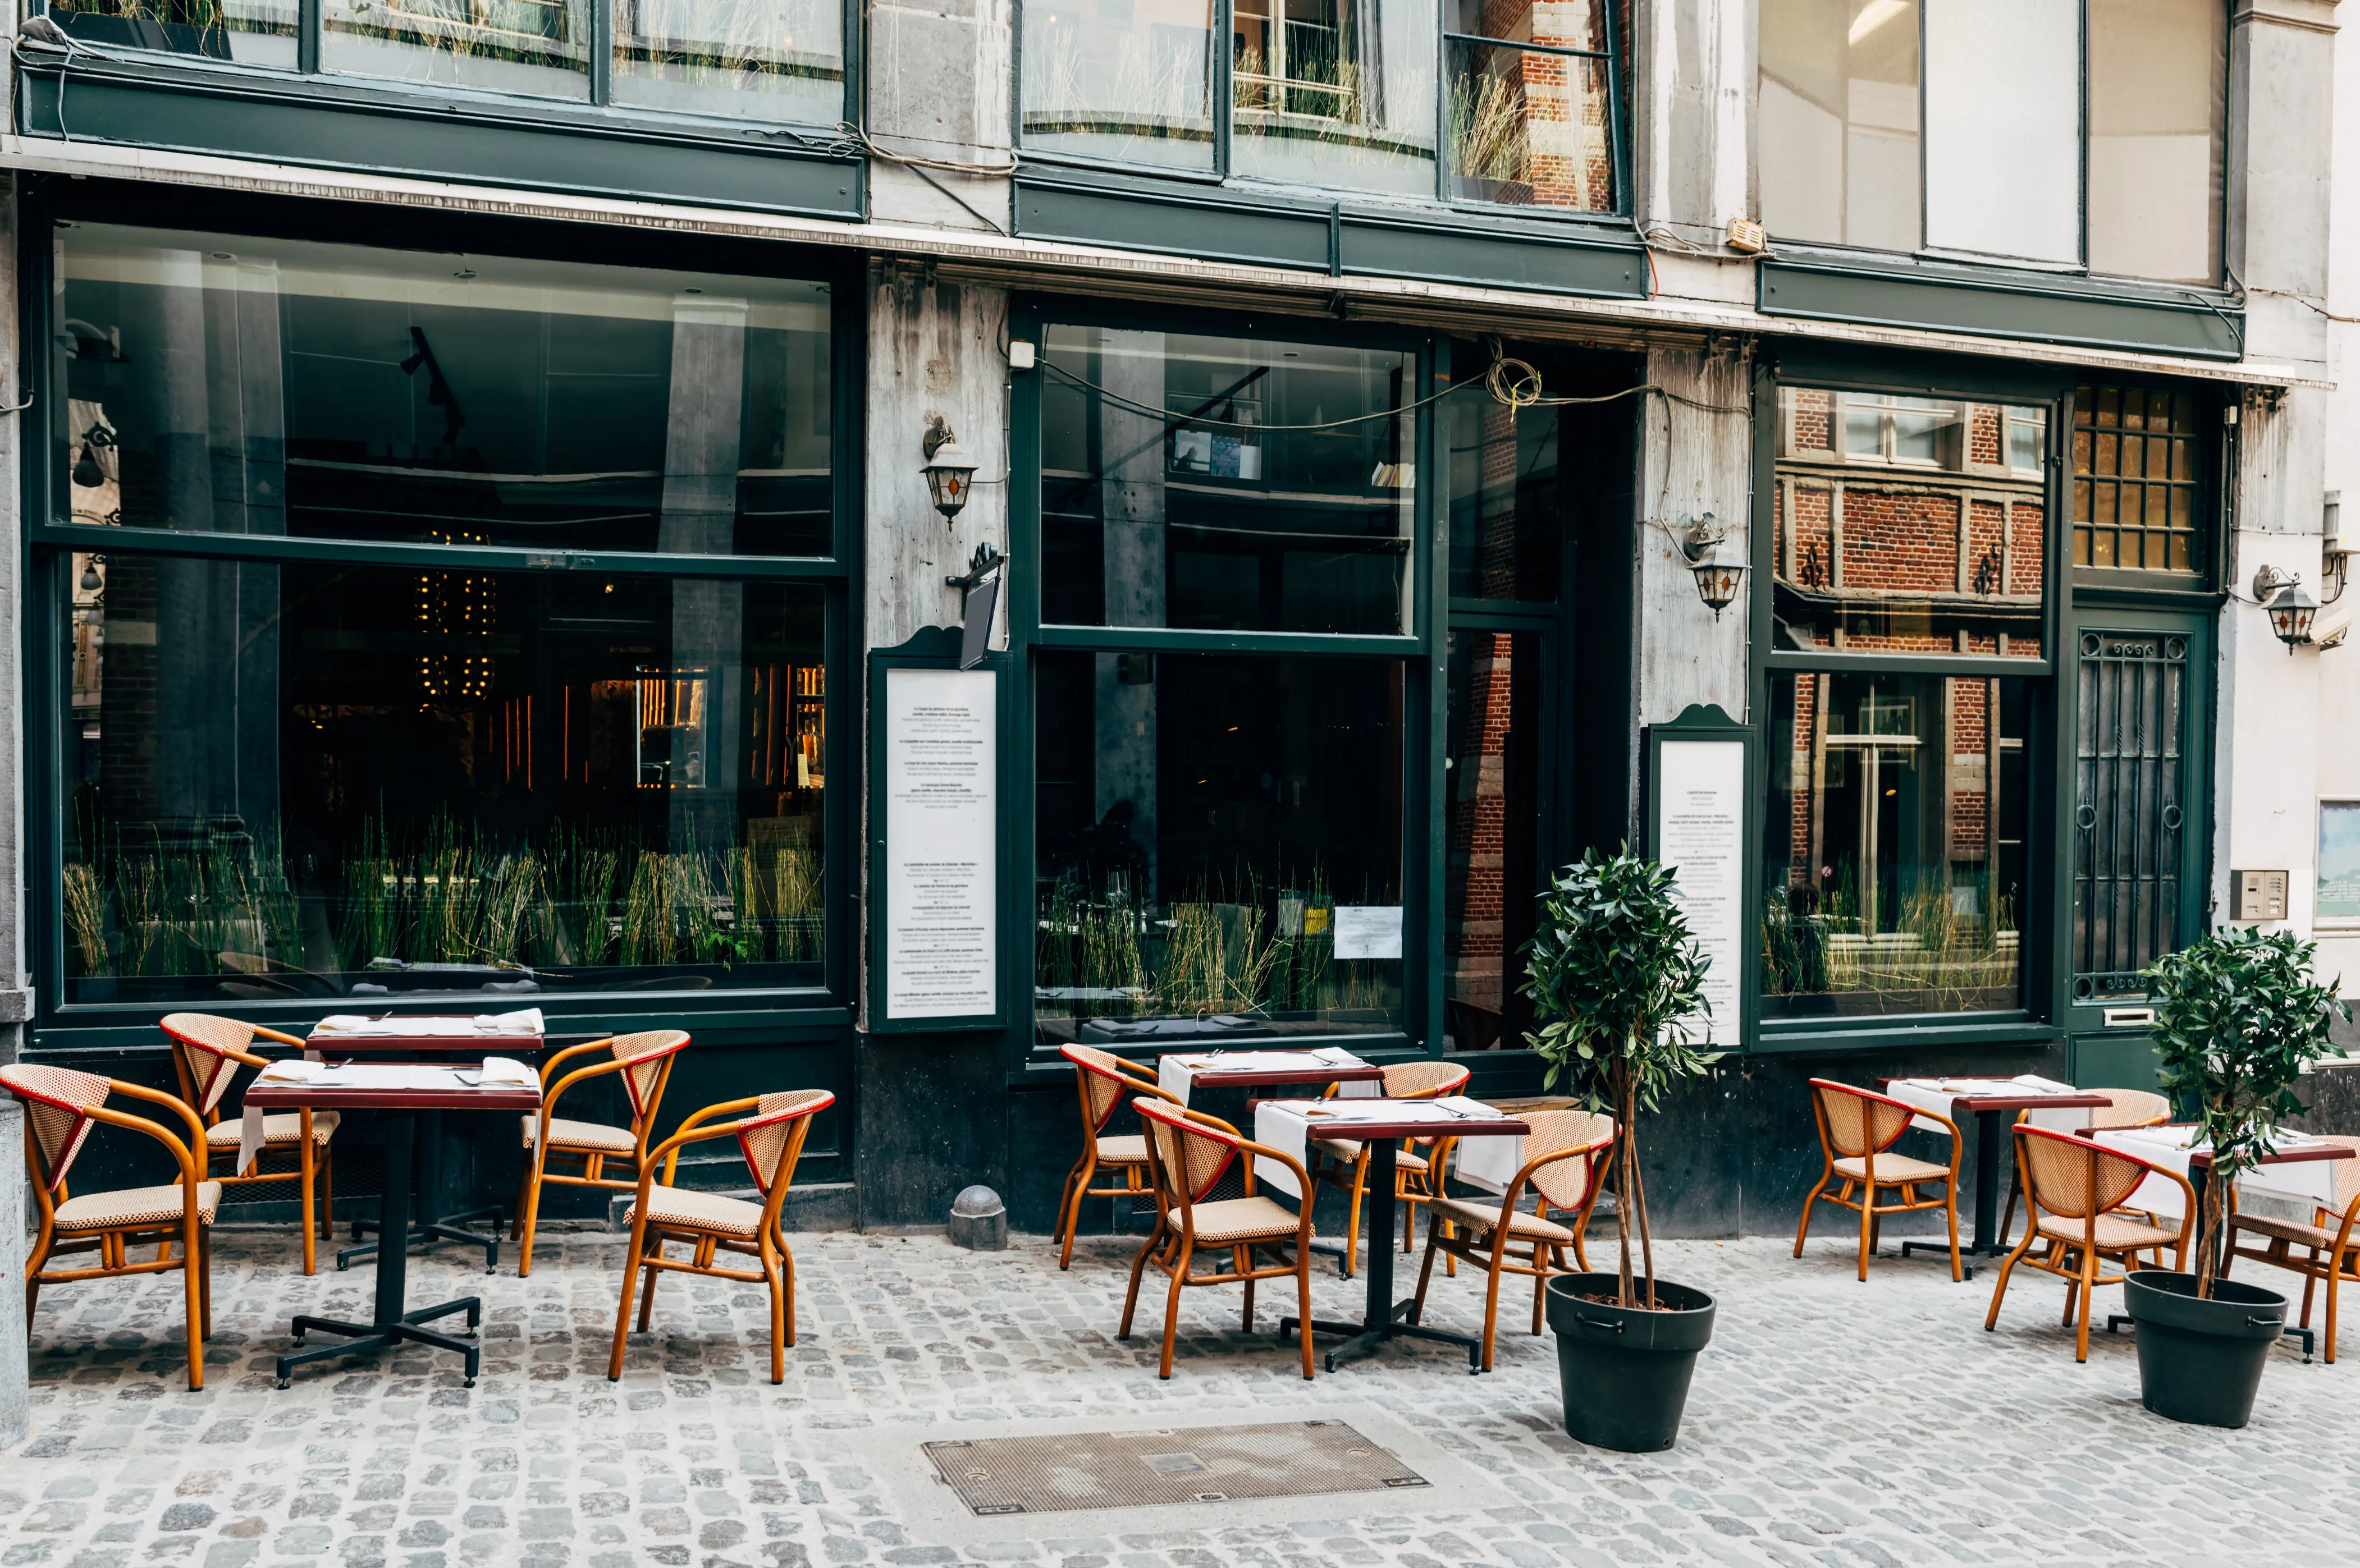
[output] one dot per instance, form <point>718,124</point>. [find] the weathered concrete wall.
<point>1692,461</point>
<point>938,88</point>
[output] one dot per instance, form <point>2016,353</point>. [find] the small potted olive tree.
<point>2237,1014</point>
<point>1617,984</point>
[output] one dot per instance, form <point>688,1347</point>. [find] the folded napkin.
<point>503,1070</point>
<point>290,1070</point>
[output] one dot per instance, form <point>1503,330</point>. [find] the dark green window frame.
<point>50,547</point>
<point>1224,94</point>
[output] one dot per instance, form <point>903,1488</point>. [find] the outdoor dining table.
<point>1379,1125</point>
<point>1180,1073</point>
<point>464,1038</point>
<point>1994,1102</point>
<point>403,1093</point>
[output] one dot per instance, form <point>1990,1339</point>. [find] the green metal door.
<point>2135,839</point>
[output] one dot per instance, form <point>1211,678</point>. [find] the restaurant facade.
<point>897,540</point>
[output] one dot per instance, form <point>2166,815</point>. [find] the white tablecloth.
<point>354,1026</point>
<point>496,1072</point>
<point>1286,1124</point>
<point>2303,1181</point>
<point>1176,1071</point>
<point>1936,1094</point>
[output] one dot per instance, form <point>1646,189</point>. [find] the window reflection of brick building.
<point>1475,837</point>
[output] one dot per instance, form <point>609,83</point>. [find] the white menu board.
<point>1700,833</point>
<point>942,842</point>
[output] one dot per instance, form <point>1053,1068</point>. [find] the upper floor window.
<point>763,60</point>
<point>2136,463</point>
<point>1342,94</point>
<point>1953,125</point>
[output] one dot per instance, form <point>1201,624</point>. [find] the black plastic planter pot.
<point>1624,1370</point>
<point>2200,1361</point>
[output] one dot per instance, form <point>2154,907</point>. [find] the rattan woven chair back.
<point>644,1055</point>
<point>207,1051</point>
<point>1427,1080</point>
<point>644,1062</point>
<point>1103,1083</point>
<point>2075,1178</point>
<point>1103,1080</point>
<point>1566,1184</point>
<point>769,1136</point>
<point>1189,1153</point>
<point>1857,1122</point>
<point>58,1102</point>
<point>2131,1108</point>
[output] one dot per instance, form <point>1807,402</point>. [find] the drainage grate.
<point>1142,1469</point>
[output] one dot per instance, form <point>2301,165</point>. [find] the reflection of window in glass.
<point>360,781</point>
<point>250,32</point>
<point>1894,850</point>
<point>408,397</point>
<point>536,46</point>
<point>1839,118</point>
<point>1909,523</point>
<point>2159,73</point>
<point>2134,479</point>
<point>2004,92</point>
<point>771,60</point>
<point>1209,829</point>
<point>1507,496</point>
<point>1492,811</point>
<point>1228,483</point>
<point>1530,103</point>
<point>1127,79</point>
<point>1335,93</point>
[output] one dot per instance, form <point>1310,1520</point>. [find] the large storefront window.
<point>1894,844</point>
<point>316,781</point>
<point>229,383</point>
<point>1219,842</point>
<point>355,768</point>
<point>1909,525</point>
<point>1225,483</point>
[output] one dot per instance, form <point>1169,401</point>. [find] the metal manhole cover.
<point>1142,1469</point>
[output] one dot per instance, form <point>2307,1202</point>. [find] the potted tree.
<point>1617,984</point>
<point>2237,1014</point>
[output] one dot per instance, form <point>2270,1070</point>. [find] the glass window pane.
<point>1529,129</point>
<point>1121,79</point>
<point>1935,549</point>
<point>2003,119</point>
<point>250,32</point>
<point>338,780</point>
<point>764,59</point>
<point>2156,514</point>
<point>1198,855</point>
<point>1507,495</point>
<point>1894,855</point>
<point>1491,813</point>
<point>2158,72</point>
<point>283,386</point>
<point>1838,121</point>
<point>539,47</point>
<point>2027,440</point>
<point>1335,93</point>
<point>1227,483</point>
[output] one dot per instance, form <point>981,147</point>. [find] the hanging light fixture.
<point>2290,607</point>
<point>90,580</point>
<point>1719,566</point>
<point>2335,557</point>
<point>949,471</point>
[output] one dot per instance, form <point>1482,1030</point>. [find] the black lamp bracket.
<point>986,560</point>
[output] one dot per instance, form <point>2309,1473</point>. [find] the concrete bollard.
<point>980,1221</point>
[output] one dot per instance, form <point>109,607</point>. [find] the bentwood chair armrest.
<point>698,1128</point>
<point>548,1096</point>
<point>1524,1178</point>
<point>1303,1177</point>
<point>277,1038</point>
<point>156,1129</point>
<point>1958,1143</point>
<point>549,1067</point>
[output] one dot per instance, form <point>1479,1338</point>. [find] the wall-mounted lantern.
<point>949,471</point>
<point>1719,566</point>
<point>2291,608</point>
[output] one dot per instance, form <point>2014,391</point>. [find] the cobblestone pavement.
<point>1832,1423</point>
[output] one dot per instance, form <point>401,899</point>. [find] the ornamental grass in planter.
<point>2237,1016</point>
<point>1617,982</point>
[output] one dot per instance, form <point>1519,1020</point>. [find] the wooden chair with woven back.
<point>1564,1159</point>
<point>1187,1151</point>
<point>61,1107</point>
<point>645,1061</point>
<point>1857,1132</point>
<point>1344,1162</point>
<point>2074,1188</point>
<point>207,1051</point>
<point>770,1130</point>
<point>2126,1108</point>
<point>2331,1249</point>
<point>1103,1079</point>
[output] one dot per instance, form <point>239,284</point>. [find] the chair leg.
<point>778,1315</point>
<point>1951,1213</point>
<point>1867,1228</point>
<point>1171,1308</point>
<point>1138,1264</point>
<point>328,1192</point>
<point>1071,1220</point>
<point>1425,1270</point>
<point>193,1291</point>
<point>310,1239</point>
<point>623,1312</point>
<point>1991,1318</point>
<point>1302,1306</point>
<point>2335,1270</point>
<point>533,1173</point>
<point>2088,1279</point>
<point>1245,1266</point>
<point>648,1291</point>
<point>787,1276</point>
<point>2007,1214</point>
<point>205,1257</point>
<point>1492,1297</point>
<point>1540,1283</point>
<point>1352,1219</point>
<point>1810,1202</point>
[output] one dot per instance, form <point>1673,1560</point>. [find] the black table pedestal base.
<point>1967,1256</point>
<point>371,1339</point>
<point>433,1228</point>
<point>1363,1341</point>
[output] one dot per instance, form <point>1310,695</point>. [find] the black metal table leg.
<point>392,1324</point>
<point>432,1225</point>
<point>1383,1316</point>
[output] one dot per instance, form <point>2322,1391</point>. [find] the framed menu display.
<point>1698,789</point>
<point>935,819</point>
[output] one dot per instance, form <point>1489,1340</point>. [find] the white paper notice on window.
<point>1700,834</point>
<point>941,843</point>
<point>1368,930</point>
